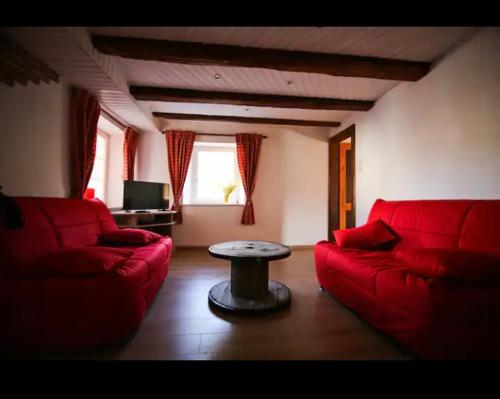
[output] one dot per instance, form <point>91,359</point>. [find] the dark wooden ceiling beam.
<point>10,72</point>
<point>18,65</point>
<point>281,60</point>
<point>257,100</point>
<point>244,119</point>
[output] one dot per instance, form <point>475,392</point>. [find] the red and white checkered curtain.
<point>129,151</point>
<point>248,150</point>
<point>85,110</point>
<point>179,149</point>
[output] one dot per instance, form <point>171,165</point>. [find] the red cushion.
<point>372,235</point>
<point>458,264</point>
<point>77,261</point>
<point>129,237</point>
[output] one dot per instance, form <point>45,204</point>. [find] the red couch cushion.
<point>36,238</point>
<point>77,261</point>
<point>374,235</point>
<point>444,263</point>
<point>481,228</point>
<point>129,237</point>
<point>423,223</point>
<point>359,266</point>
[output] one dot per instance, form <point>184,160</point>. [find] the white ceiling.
<point>70,53</point>
<point>252,80</point>
<point>410,43</point>
<point>236,110</point>
<point>407,43</point>
<point>108,127</point>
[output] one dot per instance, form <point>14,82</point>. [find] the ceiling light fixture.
<point>217,76</point>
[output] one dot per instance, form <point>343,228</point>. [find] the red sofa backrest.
<point>455,224</point>
<point>53,224</point>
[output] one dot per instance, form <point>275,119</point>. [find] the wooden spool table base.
<point>249,290</point>
<point>278,297</point>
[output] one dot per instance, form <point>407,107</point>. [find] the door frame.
<point>333,174</point>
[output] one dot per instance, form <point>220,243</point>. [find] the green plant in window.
<point>228,190</point>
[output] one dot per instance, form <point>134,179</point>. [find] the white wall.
<point>114,180</point>
<point>151,158</point>
<point>34,144</point>
<point>291,194</point>
<point>435,138</point>
<point>114,192</point>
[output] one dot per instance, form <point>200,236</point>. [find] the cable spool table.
<point>249,291</point>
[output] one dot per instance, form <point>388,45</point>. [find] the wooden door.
<point>341,186</point>
<point>345,206</point>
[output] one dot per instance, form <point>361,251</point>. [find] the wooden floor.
<point>181,326</point>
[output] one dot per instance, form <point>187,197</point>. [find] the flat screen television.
<point>140,195</point>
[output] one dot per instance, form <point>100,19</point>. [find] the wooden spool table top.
<point>249,250</point>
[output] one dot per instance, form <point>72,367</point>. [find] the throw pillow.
<point>373,235</point>
<point>129,237</point>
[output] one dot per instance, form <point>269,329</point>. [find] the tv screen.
<point>144,195</point>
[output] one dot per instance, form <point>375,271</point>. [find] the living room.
<point>253,145</point>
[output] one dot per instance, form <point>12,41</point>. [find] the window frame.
<point>192,176</point>
<point>106,138</point>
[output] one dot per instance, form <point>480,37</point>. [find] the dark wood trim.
<point>333,187</point>
<point>18,65</point>
<point>333,181</point>
<point>112,119</point>
<point>282,60</point>
<point>243,119</point>
<point>144,93</point>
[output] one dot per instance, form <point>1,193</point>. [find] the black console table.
<point>160,222</point>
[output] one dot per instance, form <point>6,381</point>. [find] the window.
<point>99,172</point>
<point>213,177</point>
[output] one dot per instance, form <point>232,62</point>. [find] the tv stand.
<point>159,221</point>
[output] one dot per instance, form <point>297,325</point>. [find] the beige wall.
<point>34,144</point>
<point>435,138</point>
<point>290,197</point>
<point>114,192</point>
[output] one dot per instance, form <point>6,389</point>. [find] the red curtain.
<point>248,150</point>
<point>85,110</point>
<point>179,149</point>
<point>129,151</point>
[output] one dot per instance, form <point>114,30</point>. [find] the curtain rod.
<point>216,134</point>
<point>112,119</point>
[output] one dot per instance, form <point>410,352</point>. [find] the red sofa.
<point>69,311</point>
<point>436,318</point>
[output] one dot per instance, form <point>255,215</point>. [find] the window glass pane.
<point>97,179</point>
<point>100,151</point>
<point>188,187</point>
<point>98,172</point>
<point>98,186</point>
<point>215,174</point>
